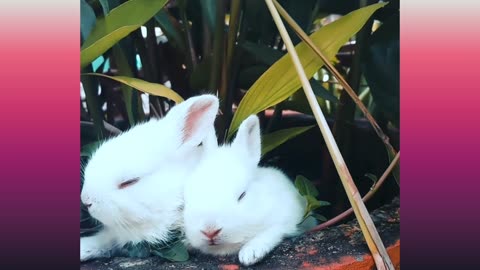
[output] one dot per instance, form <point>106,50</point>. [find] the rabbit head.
<point>133,183</point>
<point>221,193</point>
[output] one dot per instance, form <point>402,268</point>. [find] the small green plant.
<point>308,190</point>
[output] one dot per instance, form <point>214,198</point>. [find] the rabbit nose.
<point>88,205</point>
<point>211,233</point>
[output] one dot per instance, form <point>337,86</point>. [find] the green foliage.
<point>88,149</point>
<point>116,25</point>
<point>272,140</point>
<point>88,18</point>
<point>147,87</point>
<point>175,252</point>
<point>308,190</point>
<point>280,81</point>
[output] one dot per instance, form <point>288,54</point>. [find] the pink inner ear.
<point>192,121</point>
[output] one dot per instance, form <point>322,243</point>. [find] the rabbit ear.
<point>248,138</point>
<point>195,117</point>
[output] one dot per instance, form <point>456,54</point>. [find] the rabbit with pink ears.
<point>134,183</point>
<point>234,206</point>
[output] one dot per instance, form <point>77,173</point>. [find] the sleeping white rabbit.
<point>233,205</point>
<point>134,182</point>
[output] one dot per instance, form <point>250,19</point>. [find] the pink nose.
<point>211,233</point>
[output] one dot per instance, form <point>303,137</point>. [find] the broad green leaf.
<point>146,87</point>
<point>280,81</point>
<point>272,140</point>
<point>87,19</point>
<point>305,187</point>
<point>175,253</point>
<point>120,22</point>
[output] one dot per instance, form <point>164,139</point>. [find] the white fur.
<point>253,226</point>
<point>161,153</point>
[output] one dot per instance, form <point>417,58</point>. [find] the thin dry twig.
<point>367,196</point>
<point>374,242</point>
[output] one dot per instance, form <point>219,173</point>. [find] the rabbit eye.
<point>128,183</point>
<point>241,196</point>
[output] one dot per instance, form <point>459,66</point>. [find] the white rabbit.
<point>233,205</point>
<point>134,182</point>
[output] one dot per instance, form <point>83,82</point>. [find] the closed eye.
<point>128,183</point>
<point>241,196</point>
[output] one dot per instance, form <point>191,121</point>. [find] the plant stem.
<point>375,244</point>
<point>192,60</point>
<point>339,77</point>
<point>226,96</point>
<point>218,48</point>
<point>93,105</point>
<point>367,196</point>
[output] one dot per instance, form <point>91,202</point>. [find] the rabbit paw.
<point>89,249</point>
<point>250,254</point>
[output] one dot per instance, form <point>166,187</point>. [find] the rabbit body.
<point>233,205</point>
<point>133,184</point>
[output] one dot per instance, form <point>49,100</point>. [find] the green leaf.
<point>105,6</point>
<point>324,203</point>
<point>280,81</point>
<point>200,76</point>
<point>146,87</point>
<point>272,140</point>
<point>88,149</point>
<point>140,250</point>
<point>373,178</point>
<point>381,67</point>
<point>175,253</point>
<point>120,22</point>
<point>262,53</point>
<point>298,102</point>
<point>305,187</point>
<point>87,20</point>
<point>321,92</point>
<point>248,75</point>
<point>312,202</point>
<point>319,217</point>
